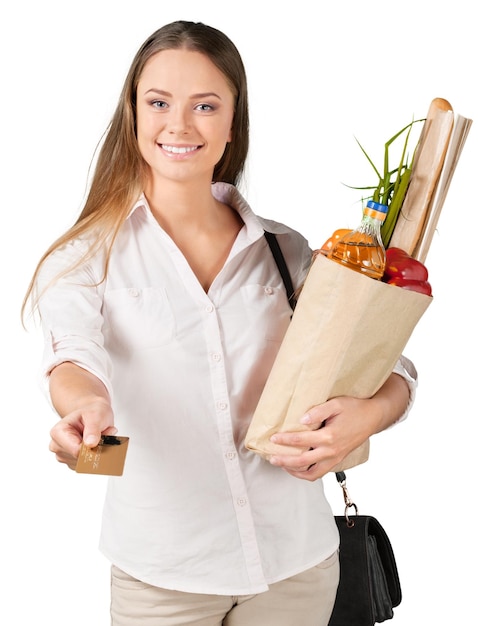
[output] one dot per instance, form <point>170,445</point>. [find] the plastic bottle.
<point>362,249</point>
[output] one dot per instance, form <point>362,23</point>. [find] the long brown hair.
<point>120,170</point>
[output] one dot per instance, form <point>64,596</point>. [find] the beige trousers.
<point>306,599</point>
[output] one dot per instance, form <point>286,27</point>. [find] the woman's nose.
<point>179,121</point>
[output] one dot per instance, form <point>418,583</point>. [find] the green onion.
<point>392,184</point>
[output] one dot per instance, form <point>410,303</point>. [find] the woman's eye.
<point>205,107</point>
<point>159,104</point>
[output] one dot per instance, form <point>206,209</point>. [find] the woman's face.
<point>185,111</point>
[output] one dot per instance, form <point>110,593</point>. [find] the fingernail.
<point>274,439</point>
<point>91,440</point>
<point>306,419</point>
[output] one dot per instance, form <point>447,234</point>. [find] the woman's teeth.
<point>179,150</point>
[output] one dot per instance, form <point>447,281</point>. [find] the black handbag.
<point>369,586</point>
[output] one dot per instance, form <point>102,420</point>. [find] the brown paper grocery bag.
<point>345,337</point>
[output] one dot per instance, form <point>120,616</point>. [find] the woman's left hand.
<point>336,428</point>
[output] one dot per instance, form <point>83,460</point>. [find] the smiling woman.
<point>163,311</point>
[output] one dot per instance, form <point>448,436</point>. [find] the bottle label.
<point>378,215</point>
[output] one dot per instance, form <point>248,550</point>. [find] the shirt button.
<point>230,456</point>
<point>268,291</point>
<point>222,406</point>
<point>216,357</point>
<point>209,308</point>
<point>134,293</point>
<point>241,501</point>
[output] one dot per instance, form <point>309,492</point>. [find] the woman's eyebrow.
<point>206,94</point>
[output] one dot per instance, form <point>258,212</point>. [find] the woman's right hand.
<point>85,425</point>
<point>84,404</point>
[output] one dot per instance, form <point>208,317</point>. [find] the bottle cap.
<point>376,206</point>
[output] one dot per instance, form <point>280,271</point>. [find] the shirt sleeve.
<point>297,254</point>
<point>405,368</point>
<point>70,307</point>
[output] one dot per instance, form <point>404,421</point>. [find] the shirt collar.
<point>228,194</point>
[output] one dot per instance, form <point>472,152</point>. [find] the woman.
<point>163,311</point>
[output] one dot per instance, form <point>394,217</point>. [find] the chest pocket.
<point>137,319</point>
<point>267,310</point>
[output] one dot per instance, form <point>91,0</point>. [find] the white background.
<point>361,69</point>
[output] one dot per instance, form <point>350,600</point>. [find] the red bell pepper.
<point>399,264</point>
<point>404,271</point>
<point>422,286</point>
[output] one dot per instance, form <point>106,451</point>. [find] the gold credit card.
<point>107,457</point>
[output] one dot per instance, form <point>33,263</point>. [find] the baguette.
<point>427,165</point>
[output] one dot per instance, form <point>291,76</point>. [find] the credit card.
<point>107,458</point>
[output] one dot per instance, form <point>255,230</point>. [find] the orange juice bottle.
<point>362,249</point>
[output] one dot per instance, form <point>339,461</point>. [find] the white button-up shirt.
<point>194,510</point>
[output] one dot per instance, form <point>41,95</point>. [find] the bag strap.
<point>349,503</point>
<point>284,272</point>
<point>282,266</point>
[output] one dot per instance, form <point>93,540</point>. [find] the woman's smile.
<point>178,151</point>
